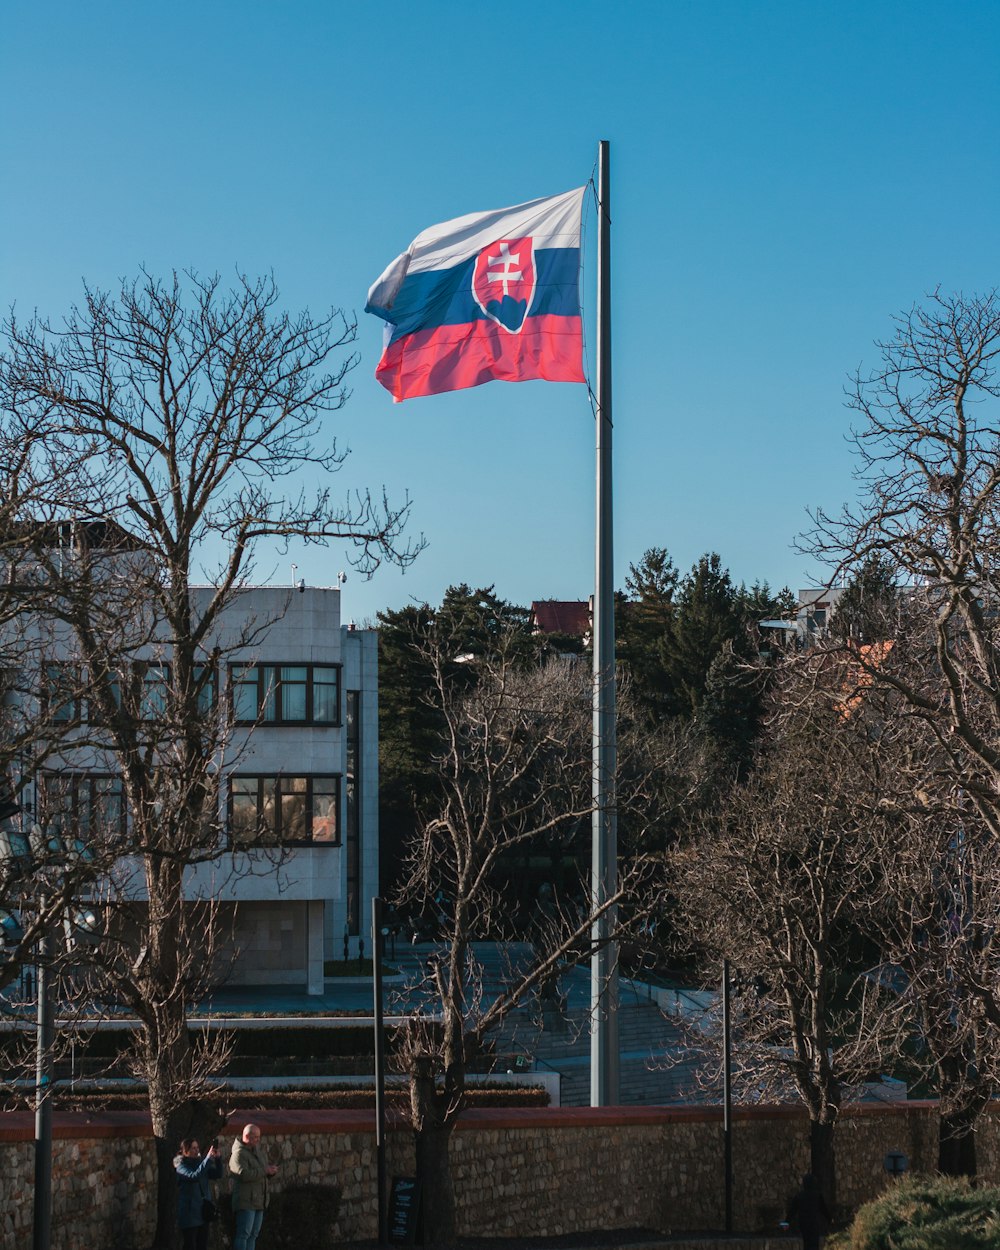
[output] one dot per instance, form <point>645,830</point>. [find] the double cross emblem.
<point>503,281</point>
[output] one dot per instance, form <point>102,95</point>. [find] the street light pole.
<point>42,1223</point>
<point>379,1069</point>
<point>727,1093</point>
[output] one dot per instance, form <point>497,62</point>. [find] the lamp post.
<point>378,939</point>
<point>79,924</point>
<point>727,1094</point>
<point>44,1033</point>
<point>31,854</point>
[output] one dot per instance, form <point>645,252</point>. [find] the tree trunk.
<point>166,1046</point>
<point>822,1160</point>
<point>962,1096</point>
<point>957,1142</point>
<point>432,1127</point>
<point>165,1232</point>
<point>437,1194</point>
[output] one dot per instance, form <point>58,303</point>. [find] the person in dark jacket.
<point>808,1209</point>
<point>194,1188</point>
<point>251,1173</point>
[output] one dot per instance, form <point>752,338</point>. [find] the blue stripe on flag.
<point>444,296</point>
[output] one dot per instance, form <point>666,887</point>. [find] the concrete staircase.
<point>561,1041</point>
<point>646,1041</point>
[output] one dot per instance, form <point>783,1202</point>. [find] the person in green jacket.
<point>251,1171</point>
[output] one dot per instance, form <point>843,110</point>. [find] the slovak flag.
<point>483,298</point>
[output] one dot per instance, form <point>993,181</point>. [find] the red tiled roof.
<point>559,616</point>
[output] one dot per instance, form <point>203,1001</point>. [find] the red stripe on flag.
<point>453,357</point>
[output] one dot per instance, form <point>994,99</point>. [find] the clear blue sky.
<point>786,176</point>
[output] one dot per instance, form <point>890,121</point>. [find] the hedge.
<point>929,1213</point>
<point>282,1041</point>
<point>344,1098</point>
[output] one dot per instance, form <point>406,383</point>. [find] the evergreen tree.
<point>409,732</point>
<point>641,623</point>
<point>469,624</point>
<point>867,610</point>
<point>708,616</point>
<point>731,709</point>
<point>475,621</point>
<point>760,603</point>
<point>652,581</point>
<point>728,719</point>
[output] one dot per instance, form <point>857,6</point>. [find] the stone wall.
<point>530,1171</point>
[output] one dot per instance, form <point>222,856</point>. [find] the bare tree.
<point>514,775</point>
<point>773,881</point>
<point>181,413</point>
<point>928,442</point>
<point>931,909</point>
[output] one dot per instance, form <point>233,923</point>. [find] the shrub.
<point>929,1213</point>
<point>343,1097</point>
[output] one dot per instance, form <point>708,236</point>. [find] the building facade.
<point>298,854</point>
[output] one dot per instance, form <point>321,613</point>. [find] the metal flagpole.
<point>604,873</point>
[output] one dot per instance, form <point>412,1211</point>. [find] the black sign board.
<point>404,1210</point>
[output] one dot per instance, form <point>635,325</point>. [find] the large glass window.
<point>325,803</point>
<point>285,694</point>
<point>154,690</point>
<point>111,687</point>
<point>205,685</point>
<point>87,806</point>
<point>282,808</point>
<point>244,691</point>
<point>292,796</point>
<point>61,690</point>
<point>326,694</point>
<point>245,816</point>
<point>64,686</point>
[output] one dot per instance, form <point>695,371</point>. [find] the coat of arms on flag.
<point>503,282</point>
<point>486,297</point>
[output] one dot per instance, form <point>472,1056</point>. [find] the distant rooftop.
<point>561,616</point>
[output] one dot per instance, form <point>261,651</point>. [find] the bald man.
<point>251,1171</point>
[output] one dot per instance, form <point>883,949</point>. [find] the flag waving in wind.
<point>483,298</point>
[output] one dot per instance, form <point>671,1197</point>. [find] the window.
<point>61,689</point>
<point>285,694</point>
<point>280,808</point>
<point>64,686</point>
<point>153,682</point>
<point>206,685</point>
<point>112,687</point>
<point>84,806</point>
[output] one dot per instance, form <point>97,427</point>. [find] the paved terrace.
<point>646,1036</point>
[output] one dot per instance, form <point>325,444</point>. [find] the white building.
<point>815,609</point>
<point>310,767</point>
<point>301,763</point>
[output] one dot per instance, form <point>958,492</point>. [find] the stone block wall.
<point>103,1181</point>
<point>529,1171</point>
